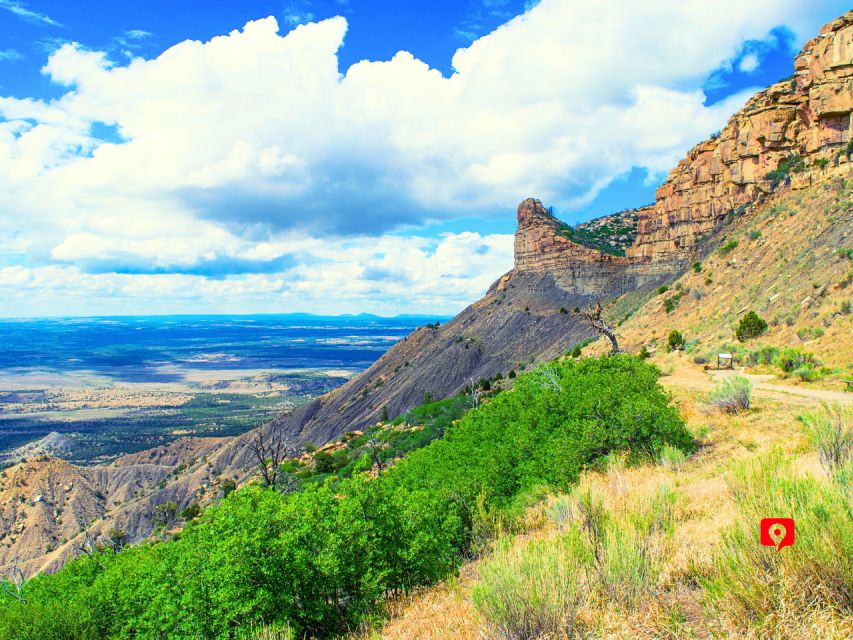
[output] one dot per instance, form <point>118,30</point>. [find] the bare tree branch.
<point>599,324</point>
<point>375,448</point>
<point>475,394</point>
<point>550,379</point>
<point>270,448</point>
<point>15,585</point>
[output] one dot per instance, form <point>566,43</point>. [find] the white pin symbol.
<point>778,533</point>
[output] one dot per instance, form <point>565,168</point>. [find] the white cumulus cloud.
<point>252,147</point>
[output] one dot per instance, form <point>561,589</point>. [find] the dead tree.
<point>87,544</point>
<point>270,448</point>
<point>14,587</point>
<point>551,379</point>
<point>600,326</point>
<point>375,450</point>
<point>117,539</point>
<point>475,394</point>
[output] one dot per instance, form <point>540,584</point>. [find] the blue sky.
<point>342,155</point>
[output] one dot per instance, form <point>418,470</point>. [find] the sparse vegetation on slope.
<point>796,277</point>
<point>611,234</point>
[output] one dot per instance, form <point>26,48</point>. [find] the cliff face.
<point>542,246</point>
<point>806,116</point>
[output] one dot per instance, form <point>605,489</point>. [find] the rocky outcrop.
<point>803,122</point>
<point>543,246</point>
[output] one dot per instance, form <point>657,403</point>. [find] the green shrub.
<point>765,354</point>
<point>753,235</point>
<point>191,512</point>
<point>529,591</point>
<point>792,164</point>
<point>821,163</point>
<point>727,248</point>
<point>563,310</point>
<point>324,462</point>
<point>662,289</point>
<point>792,358</point>
<point>806,373</point>
<point>697,267</point>
<point>732,394</point>
<point>810,333</point>
<point>227,487</point>
<point>644,353</point>
<point>576,352</point>
<point>750,326</point>
<point>671,457</point>
<point>669,305</point>
<point>675,341</point>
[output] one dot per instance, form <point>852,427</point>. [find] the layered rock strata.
<point>803,122</point>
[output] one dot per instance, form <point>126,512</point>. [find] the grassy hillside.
<point>790,260</point>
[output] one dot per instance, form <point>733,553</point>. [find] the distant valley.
<point>90,390</point>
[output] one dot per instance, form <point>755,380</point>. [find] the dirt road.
<point>691,376</point>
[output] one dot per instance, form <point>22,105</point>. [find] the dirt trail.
<point>690,376</point>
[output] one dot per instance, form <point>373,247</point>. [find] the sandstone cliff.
<point>803,122</point>
<point>543,245</point>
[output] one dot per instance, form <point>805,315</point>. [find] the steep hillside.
<point>525,317</point>
<point>53,443</point>
<point>50,506</point>
<point>789,260</point>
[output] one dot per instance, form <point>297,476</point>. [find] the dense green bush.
<point>750,326</point>
<point>559,419</point>
<point>727,248</point>
<point>675,341</point>
<point>323,559</point>
<point>791,359</point>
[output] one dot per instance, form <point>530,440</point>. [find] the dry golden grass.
<point>675,606</point>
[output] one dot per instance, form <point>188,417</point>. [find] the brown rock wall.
<point>808,116</point>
